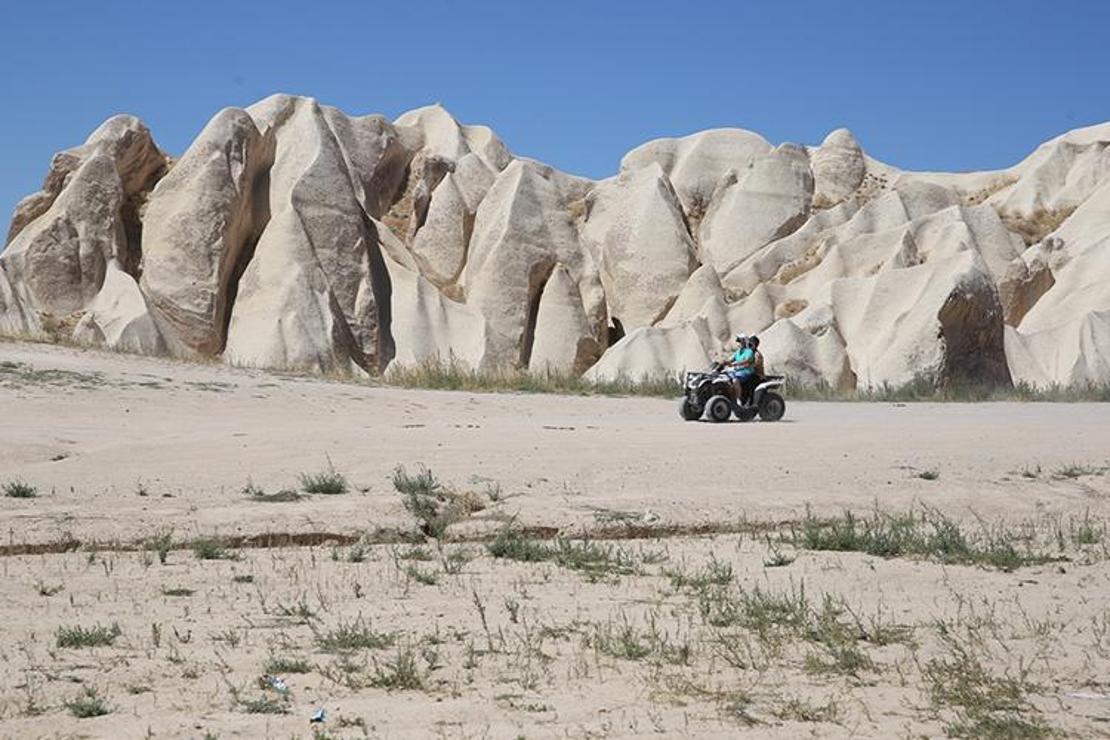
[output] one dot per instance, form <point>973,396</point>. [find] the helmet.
<point>753,341</point>
<point>742,339</point>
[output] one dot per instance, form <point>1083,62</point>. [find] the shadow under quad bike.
<point>712,394</point>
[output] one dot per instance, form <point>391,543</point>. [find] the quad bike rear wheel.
<point>772,407</point>
<point>719,409</point>
<point>689,411</point>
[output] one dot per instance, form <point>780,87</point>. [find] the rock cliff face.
<point>291,235</point>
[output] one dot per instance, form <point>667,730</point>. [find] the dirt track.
<point>122,448</point>
<point>191,436</point>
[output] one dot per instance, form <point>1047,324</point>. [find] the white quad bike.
<point>713,395</point>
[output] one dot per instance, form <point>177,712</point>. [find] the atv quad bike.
<point>713,395</point>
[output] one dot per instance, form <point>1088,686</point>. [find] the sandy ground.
<point>122,448</point>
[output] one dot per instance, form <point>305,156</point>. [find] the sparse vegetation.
<point>161,544</point>
<point>209,549</point>
<point>592,558</point>
<point>79,636</point>
<point>920,532</point>
<point>456,377</point>
<point>1075,470</point>
<point>282,665</point>
<point>265,704</point>
<point>257,493</point>
<point>178,592</point>
<point>19,489</point>
<point>801,710</point>
<point>435,506</point>
<point>1034,227</point>
<point>88,704</point>
<point>329,482</point>
<point>925,389</point>
<point>350,636</point>
<point>984,704</point>
<point>401,672</point>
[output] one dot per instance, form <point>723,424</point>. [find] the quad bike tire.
<point>771,407</point>
<point>689,411</point>
<point>719,409</point>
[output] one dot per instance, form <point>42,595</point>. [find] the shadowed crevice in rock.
<point>615,331</point>
<point>537,281</point>
<point>382,287</point>
<point>972,330</point>
<point>131,215</point>
<point>260,217</point>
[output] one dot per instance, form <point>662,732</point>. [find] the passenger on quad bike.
<point>758,375</point>
<point>741,368</point>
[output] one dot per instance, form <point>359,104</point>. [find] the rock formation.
<point>292,235</point>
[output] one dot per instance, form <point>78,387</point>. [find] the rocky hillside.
<point>293,235</point>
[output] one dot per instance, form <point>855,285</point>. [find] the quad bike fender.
<point>767,385</point>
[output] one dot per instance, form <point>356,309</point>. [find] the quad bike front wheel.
<point>719,409</point>
<point>772,407</point>
<point>689,411</point>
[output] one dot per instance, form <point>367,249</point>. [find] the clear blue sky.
<point>928,84</point>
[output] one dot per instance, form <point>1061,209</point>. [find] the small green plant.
<point>800,710</point>
<point>178,592</point>
<point>423,482</point>
<point>1075,470</point>
<point>86,637</point>
<point>511,544</point>
<point>401,672</point>
<point>300,611</point>
<point>19,489</point>
<point>416,552</point>
<point>279,665</point>
<point>328,482</point>
<point>257,493</point>
<point>715,573</point>
<point>593,558</point>
<point>229,637</point>
<point>161,543</point>
<point>242,578</point>
<point>930,474</point>
<point>356,635</point>
<point>266,704</point>
<point>777,558</point>
<point>839,656</point>
<point>88,704</point>
<point>209,549</point>
<point>426,499</point>
<point>426,578</point>
<point>1087,531</point>
<point>625,641</point>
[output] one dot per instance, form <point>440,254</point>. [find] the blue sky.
<point>924,85</point>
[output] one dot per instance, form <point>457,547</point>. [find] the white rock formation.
<point>293,235</point>
<point>636,225</point>
<point>201,224</point>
